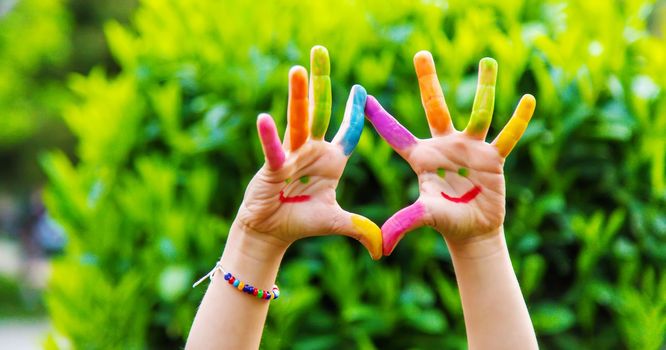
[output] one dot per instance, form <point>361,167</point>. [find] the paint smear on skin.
<point>370,235</point>
<point>397,225</point>
<point>293,199</point>
<point>356,118</point>
<point>389,128</point>
<point>465,198</point>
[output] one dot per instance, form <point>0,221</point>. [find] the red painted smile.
<point>293,199</point>
<point>468,196</point>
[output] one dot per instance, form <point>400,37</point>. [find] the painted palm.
<point>293,194</point>
<point>461,179</point>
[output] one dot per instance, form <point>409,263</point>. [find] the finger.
<point>363,230</point>
<point>270,141</point>
<point>393,132</point>
<point>516,126</point>
<point>352,123</point>
<point>432,96</point>
<point>298,107</point>
<point>484,100</point>
<point>407,219</point>
<point>320,91</point>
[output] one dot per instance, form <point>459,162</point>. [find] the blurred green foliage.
<point>24,62</point>
<point>167,145</point>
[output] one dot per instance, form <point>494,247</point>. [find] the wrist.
<point>252,257</point>
<point>479,246</point>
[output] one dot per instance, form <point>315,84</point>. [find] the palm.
<point>461,180</point>
<point>440,163</point>
<point>313,171</point>
<point>293,195</point>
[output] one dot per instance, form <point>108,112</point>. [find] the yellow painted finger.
<point>516,126</point>
<point>369,234</point>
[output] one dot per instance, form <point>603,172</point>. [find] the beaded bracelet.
<point>240,285</point>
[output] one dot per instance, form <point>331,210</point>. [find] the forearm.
<point>228,318</point>
<point>496,316</point>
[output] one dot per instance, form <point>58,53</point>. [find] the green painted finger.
<point>320,91</point>
<point>484,100</point>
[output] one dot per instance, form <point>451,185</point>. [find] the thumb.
<point>405,220</point>
<point>361,229</point>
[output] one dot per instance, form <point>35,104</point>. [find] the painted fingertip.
<point>488,71</point>
<point>320,62</point>
<point>371,235</point>
<point>360,96</point>
<point>424,63</point>
<point>529,101</point>
<point>298,81</point>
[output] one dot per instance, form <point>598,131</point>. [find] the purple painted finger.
<point>393,132</point>
<point>270,141</point>
<point>399,224</point>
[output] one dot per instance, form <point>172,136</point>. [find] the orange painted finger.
<point>432,96</point>
<point>516,126</point>
<point>298,107</point>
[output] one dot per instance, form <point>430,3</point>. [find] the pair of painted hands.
<point>461,178</point>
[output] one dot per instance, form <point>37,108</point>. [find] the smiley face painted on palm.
<point>467,196</point>
<point>298,198</point>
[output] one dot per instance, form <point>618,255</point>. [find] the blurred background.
<point>127,136</point>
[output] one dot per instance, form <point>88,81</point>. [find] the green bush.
<point>167,146</point>
<point>26,92</point>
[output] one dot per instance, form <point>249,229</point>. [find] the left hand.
<point>461,179</point>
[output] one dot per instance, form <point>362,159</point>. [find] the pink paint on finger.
<point>400,223</point>
<point>387,126</point>
<point>270,141</point>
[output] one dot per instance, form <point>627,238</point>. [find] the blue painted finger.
<point>352,123</point>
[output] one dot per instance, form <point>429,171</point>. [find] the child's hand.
<point>461,179</point>
<point>293,194</point>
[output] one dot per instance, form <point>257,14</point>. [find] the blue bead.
<point>227,276</point>
<point>276,293</point>
<point>236,283</point>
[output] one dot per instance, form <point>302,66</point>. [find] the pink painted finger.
<point>387,126</point>
<point>407,219</point>
<point>270,141</point>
